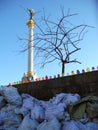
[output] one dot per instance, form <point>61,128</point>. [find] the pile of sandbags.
<point>19,112</point>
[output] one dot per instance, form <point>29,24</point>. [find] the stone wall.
<point>83,84</point>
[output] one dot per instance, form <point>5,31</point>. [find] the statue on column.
<point>31,11</point>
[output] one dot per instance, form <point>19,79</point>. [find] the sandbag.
<point>88,105</point>
<point>38,113</point>
<point>71,98</point>
<point>28,101</point>
<point>27,96</point>
<point>58,98</point>
<point>45,104</point>
<point>2,102</point>
<point>28,124</point>
<point>91,126</point>
<point>55,111</point>
<point>50,125</point>
<point>73,125</point>
<point>21,111</point>
<point>8,107</point>
<point>9,119</point>
<point>11,95</point>
<point>65,98</point>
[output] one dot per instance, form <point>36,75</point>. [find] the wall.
<point>83,84</point>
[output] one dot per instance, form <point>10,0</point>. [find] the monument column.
<point>30,24</point>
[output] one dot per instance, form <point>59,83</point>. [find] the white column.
<point>30,50</point>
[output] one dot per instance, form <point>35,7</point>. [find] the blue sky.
<point>13,18</point>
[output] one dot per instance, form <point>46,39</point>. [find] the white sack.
<point>58,98</point>
<point>10,128</point>
<point>11,95</point>
<point>28,124</point>
<point>65,98</point>
<point>28,101</point>
<point>9,119</point>
<point>92,126</point>
<point>38,113</point>
<point>22,111</point>
<point>71,98</point>
<point>45,104</point>
<point>73,125</point>
<point>2,102</point>
<point>50,125</point>
<point>27,96</point>
<point>8,107</point>
<point>55,111</point>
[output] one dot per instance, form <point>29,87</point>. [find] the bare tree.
<point>58,40</point>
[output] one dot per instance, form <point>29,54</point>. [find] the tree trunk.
<point>63,67</point>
